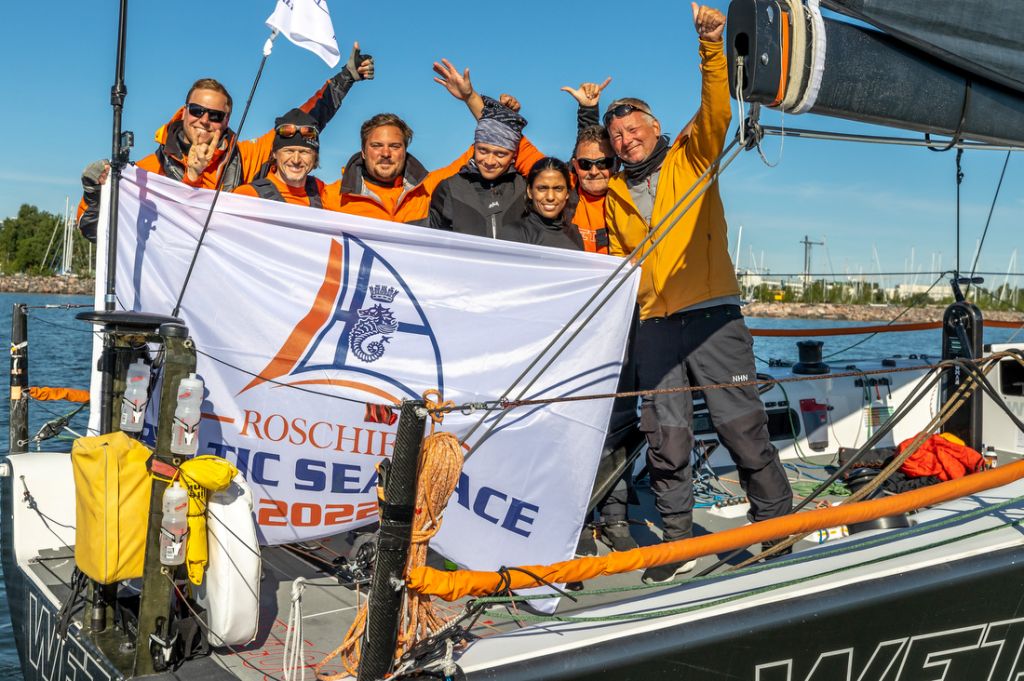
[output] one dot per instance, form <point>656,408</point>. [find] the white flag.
<point>307,23</point>
<point>328,313</point>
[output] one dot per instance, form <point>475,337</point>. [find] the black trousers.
<point>705,347</point>
<point>622,428</point>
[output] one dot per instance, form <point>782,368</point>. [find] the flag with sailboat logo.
<point>310,326</point>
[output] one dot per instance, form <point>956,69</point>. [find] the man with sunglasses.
<point>593,163</point>
<point>691,329</point>
<point>193,145</point>
<point>296,152</point>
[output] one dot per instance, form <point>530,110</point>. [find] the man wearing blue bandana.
<point>487,195</point>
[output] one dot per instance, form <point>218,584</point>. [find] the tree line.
<point>32,242</point>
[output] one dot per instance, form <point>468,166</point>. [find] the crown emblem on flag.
<point>383,294</point>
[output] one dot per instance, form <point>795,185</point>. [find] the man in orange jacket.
<point>690,321</point>
<point>193,145</point>
<point>386,182</point>
<point>296,152</point>
<point>593,162</point>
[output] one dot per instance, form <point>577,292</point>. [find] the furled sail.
<point>982,37</point>
<point>784,54</point>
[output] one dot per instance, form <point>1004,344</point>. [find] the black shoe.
<point>667,573</point>
<point>616,536</point>
<point>586,546</point>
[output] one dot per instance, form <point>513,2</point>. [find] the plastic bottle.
<point>832,533</point>
<point>185,431</point>
<point>136,396</point>
<point>174,525</point>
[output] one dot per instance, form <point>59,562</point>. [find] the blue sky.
<point>59,66</point>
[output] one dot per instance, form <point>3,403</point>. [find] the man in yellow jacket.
<point>691,328</point>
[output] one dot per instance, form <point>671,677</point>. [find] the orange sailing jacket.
<point>250,156</point>
<point>297,196</point>
<point>247,163</point>
<point>589,219</point>
<point>692,264</point>
<point>351,195</point>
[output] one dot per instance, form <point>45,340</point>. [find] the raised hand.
<point>360,66</point>
<point>509,101</point>
<point>588,94</point>
<point>448,76</point>
<point>200,155</point>
<point>709,22</point>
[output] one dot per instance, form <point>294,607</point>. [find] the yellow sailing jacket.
<point>692,264</point>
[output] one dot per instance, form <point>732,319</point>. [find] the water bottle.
<point>832,533</point>
<point>174,525</point>
<point>185,431</point>
<point>136,395</point>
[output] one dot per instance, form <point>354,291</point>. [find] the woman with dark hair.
<point>547,195</point>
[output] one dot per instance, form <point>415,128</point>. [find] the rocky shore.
<point>68,285</point>
<point>74,285</point>
<point>861,313</point>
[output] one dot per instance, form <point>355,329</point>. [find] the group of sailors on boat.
<point>624,179</point>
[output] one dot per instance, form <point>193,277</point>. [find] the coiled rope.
<point>440,467</point>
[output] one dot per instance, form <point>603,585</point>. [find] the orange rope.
<point>883,328</point>
<point>453,585</point>
<point>440,467</point>
<point>44,394</point>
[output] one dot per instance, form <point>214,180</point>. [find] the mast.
<point>120,144</point>
<point>69,244</point>
<point>807,258</point>
<point>118,155</point>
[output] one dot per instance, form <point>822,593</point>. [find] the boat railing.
<point>779,533</point>
<point>875,328</point>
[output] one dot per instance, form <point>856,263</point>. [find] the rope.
<point>511,404</point>
<point>955,401</point>
<point>440,467</point>
<point>846,330</point>
<point>293,639</point>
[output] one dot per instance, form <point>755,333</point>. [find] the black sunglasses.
<point>197,111</point>
<point>605,163</point>
<point>620,111</point>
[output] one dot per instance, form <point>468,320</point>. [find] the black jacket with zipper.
<point>469,204</point>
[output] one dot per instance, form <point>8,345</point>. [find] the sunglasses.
<point>197,111</point>
<point>620,111</point>
<point>605,163</point>
<point>291,130</point>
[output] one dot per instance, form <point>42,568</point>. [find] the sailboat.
<point>930,588</point>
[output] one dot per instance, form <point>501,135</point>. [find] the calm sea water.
<point>59,352</point>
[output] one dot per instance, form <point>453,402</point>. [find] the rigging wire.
<point>635,259</point>
<point>959,181</point>
<point>914,303</point>
<point>232,149</point>
<point>868,275</point>
<point>881,139</point>
<point>988,221</point>
<point>278,383</point>
<point>640,257</point>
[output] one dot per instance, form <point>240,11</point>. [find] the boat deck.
<point>329,605</point>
